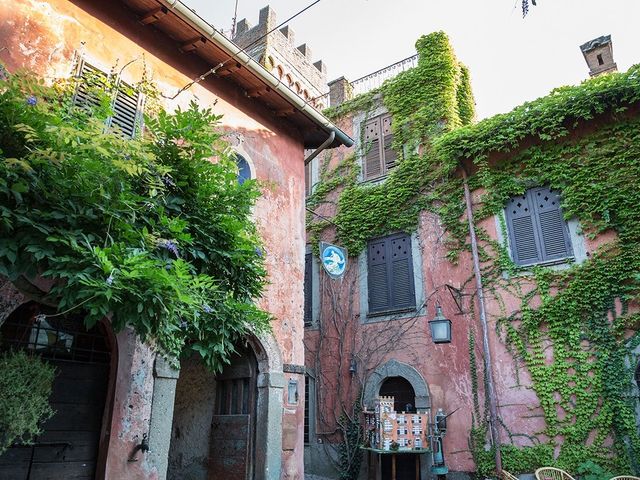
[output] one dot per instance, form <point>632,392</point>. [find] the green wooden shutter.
<point>552,229</point>
<point>89,78</point>
<point>373,155</point>
<point>401,269</point>
<point>127,106</point>
<point>523,236</point>
<point>308,293</point>
<point>378,276</point>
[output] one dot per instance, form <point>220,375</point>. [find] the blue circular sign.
<point>334,260</point>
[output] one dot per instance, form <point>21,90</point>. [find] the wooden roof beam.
<point>228,69</point>
<point>193,44</point>
<point>154,15</point>
<point>257,92</point>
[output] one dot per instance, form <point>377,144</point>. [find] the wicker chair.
<point>509,476</point>
<point>625,477</point>
<point>550,473</point>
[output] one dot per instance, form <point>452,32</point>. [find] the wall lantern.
<point>440,327</point>
<point>353,366</point>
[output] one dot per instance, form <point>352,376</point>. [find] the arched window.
<point>244,169</point>
<point>289,79</point>
<point>280,72</point>
<point>402,391</point>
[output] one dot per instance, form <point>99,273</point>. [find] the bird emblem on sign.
<point>334,259</point>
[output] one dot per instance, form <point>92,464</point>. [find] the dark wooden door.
<point>68,447</point>
<point>232,440</point>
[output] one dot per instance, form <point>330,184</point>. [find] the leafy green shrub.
<point>25,386</point>
<point>148,230</point>
<point>592,471</point>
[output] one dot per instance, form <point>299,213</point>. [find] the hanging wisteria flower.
<point>109,279</point>
<point>183,324</point>
<point>259,252</point>
<point>171,246</point>
<point>206,308</point>
<point>32,100</point>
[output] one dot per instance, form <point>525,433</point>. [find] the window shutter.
<point>89,77</point>
<point>307,179</point>
<point>378,276</point>
<point>308,265</point>
<point>390,156</point>
<point>373,158</point>
<point>400,260</point>
<point>522,231</point>
<point>552,229</point>
<point>126,108</point>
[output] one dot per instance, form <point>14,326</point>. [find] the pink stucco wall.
<point>43,36</point>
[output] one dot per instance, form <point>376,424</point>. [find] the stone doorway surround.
<point>394,368</point>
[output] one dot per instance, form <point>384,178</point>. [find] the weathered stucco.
<point>45,36</point>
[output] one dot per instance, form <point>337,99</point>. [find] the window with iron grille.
<point>537,230</point>
<point>379,156</point>
<point>307,408</point>
<point>126,102</point>
<point>308,289</point>
<point>390,274</point>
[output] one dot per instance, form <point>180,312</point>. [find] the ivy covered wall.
<point>563,334</point>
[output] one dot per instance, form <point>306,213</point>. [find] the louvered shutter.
<point>308,265</point>
<point>373,157</point>
<point>522,231</point>
<point>126,108</point>
<point>378,276</point>
<point>390,156</point>
<point>552,229</point>
<point>89,78</point>
<point>400,260</point>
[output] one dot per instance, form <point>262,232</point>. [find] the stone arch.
<point>394,368</point>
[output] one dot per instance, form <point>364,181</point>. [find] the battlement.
<point>278,53</point>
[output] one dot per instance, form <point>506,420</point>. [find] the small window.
<point>308,289</point>
<point>390,274</point>
<point>537,230</point>
<point>379,156</point>
<point>638,375</point>
<point>600,60</point>
<point>244,170</point>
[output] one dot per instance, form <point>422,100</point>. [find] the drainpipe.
<point>488,364</point>
<point>324,145</point>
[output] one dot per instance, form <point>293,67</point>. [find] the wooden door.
<point>68,447</point>
<point>232,440</point>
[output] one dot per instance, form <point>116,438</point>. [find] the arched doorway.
<point>404,401</point>
<point>214,420</point>
<point>69,446</point>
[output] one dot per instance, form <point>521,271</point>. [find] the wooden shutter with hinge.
<point>373,151</point>
<point>378,276</point>
<point>89,78</point>
<point>522,231</point>
<point>401,269</point>
<point>390,156</point>
<point>127,106</point>
<point>308,294</point>
<point>552,229</point>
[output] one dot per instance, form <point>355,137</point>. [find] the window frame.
<point>418,287</point>
<point>536,225</point>
<point>309,414</point>
<point>314,294</point>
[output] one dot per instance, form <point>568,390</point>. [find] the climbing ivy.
<point>147,231</point>
<point>572,329</point>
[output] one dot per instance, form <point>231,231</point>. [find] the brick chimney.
<point>598,53</point>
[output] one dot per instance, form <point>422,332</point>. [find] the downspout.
<point>488,364</point>
<point>324,145</point>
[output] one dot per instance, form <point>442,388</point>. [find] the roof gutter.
<point>208,31</point>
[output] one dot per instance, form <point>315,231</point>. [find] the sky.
<point>511,59</point>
